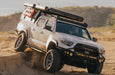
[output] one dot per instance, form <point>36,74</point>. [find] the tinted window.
<point>72,30</point>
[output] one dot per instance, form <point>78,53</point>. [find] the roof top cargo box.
<point>55,12</point>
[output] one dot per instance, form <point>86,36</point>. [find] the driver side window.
<point>41,23</point>
<point>49,23</point>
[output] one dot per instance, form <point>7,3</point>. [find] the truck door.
<point>45,33</point>
<point>36,31</point>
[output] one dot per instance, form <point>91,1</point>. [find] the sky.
<point>11,6</point>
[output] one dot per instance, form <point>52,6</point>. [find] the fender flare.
<point>51,41</point>
<point>25,31</point>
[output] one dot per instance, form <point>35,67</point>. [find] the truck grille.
<point>86,50</point>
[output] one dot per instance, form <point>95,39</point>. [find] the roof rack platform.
<point>55,12</point>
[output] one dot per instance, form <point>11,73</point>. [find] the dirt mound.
<point>28,64</point>
<point>15,65</point>
<point>9,64</point>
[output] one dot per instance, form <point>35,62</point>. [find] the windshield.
<point>72,30</point>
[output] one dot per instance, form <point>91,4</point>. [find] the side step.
<point>32,48</point>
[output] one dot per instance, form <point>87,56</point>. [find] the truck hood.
<point>76,40</point>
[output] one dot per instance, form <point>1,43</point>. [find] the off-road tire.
<point>95,69</point>
<point>53,65</point>
<point>61,65</point>
<point>20,43</point>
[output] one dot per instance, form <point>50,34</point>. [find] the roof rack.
<point>55,12</point>
<point>81,24</point>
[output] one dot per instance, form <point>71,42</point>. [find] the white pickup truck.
<point>62,36</point>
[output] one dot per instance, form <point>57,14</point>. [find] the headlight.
<point>102,51</point>
<point>66,42</point>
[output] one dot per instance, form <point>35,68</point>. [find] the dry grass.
<point>95,30</point>
<point>106,33</point>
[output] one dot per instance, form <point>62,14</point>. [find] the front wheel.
<point>52,61</point>
<point>20,43</point>
<point>95,69</point>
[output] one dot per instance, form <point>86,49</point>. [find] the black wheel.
<point>20,43</point>
<point>95,69</point>
<point>52,61</point>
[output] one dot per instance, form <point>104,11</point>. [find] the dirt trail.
<point>109,67</point>
<point>13,63</point>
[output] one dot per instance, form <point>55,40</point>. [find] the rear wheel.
<point>95,69</point>
<point>20,43</point>
<point>52,61</point>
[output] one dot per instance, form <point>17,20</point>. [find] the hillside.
<point>94,16</point>
<point>9,22</point>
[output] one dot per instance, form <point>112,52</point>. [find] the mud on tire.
<point>20,43</point>
<point>52,61</point>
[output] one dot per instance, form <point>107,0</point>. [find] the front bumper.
<point>78,59</point>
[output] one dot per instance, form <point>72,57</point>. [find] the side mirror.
<point>48,28</point>
<point>94,39</point>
